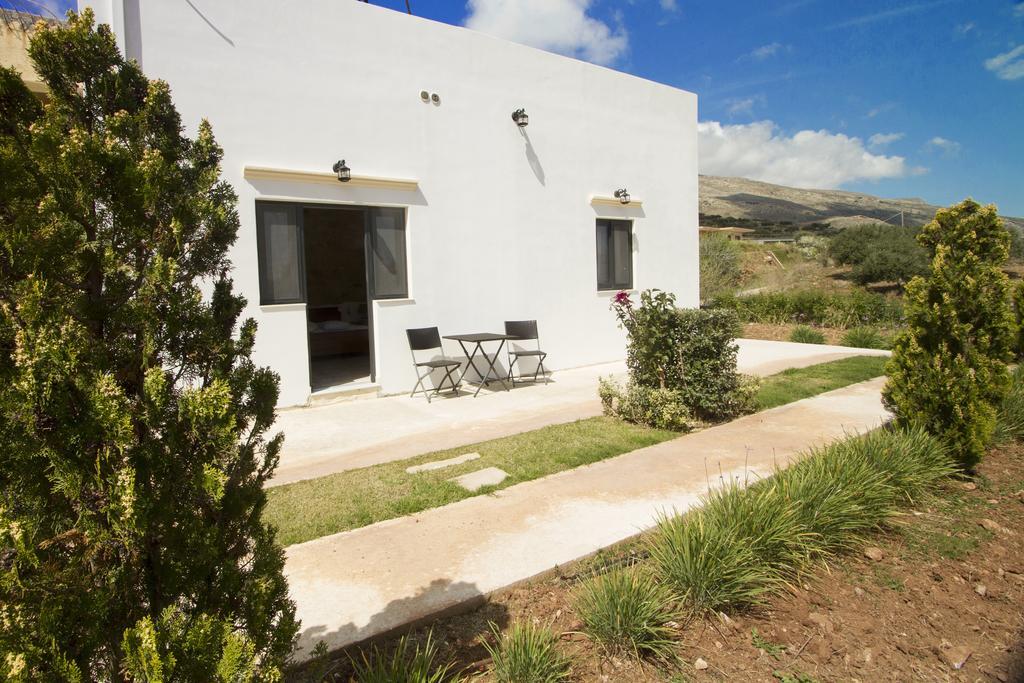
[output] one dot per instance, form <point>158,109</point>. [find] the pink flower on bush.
<point>622,305</point>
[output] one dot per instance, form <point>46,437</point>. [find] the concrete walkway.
<point>361,583</point>
<point>332,438</point>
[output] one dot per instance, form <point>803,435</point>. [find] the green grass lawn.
<point>797,383</point>
<point>348,500</point>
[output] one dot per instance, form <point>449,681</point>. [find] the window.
<point>387,258</point>
<point>279,243</point>
<point>614,254</point>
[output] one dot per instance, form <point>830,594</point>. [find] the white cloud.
<point>744,106</point>
<point>949,148</point>
<point>808,158</point>
<point>1008,66</point>
<point>875,17</point>
<point>765,51</point>
<point>670,5</point>
<point>1018,10</point>
<point>561,26</point>
<point>964,29</point>
<point>883,139</point>
<point>880,109</point>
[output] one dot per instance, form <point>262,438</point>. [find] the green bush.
<point>1010,418</point>
<point>653,407</point>
<point>1018,318</point>
<point>897,265</point>
<point>404,664</point>
<point>687,351</point>
<point>627,612</point>
<point>720,265</point>
<point>814,307</point>
<point>747,541</point>
<point>880,253</point>
<point>526,653</point>
<point>948,370</point>
<point>864,338</point>
<point>806,335</point>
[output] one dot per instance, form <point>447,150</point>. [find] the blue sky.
<point>902,98</point>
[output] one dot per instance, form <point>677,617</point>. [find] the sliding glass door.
<point>305,255</point>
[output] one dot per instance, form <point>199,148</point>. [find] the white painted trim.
<point>613,201</point>
<point>324,177</point>
<point>274,308</point>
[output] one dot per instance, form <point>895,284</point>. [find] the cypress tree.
<point>133,447</point>
<point>948,370</point>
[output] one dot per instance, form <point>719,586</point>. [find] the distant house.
<point>455,215</point>
<point>15,31</point>
<point>730,233</point>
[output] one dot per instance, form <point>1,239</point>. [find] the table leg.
<point>472,363</point>
<point>491,361</point>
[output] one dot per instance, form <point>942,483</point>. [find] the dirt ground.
<point>941,598</point>
<point>781,332</point>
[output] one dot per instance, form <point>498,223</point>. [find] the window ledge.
<point>280,308</point>
<point>395,302</point>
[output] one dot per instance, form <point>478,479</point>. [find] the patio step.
<point>474,481</point>
<point>344,393</point>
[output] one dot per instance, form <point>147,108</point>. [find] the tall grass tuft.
<point>865,338</point>
<point>745,542</point>
<point>1010,418</point>
<point>627,612</point>
<point>806,335</point>
<point>527,653</point>
<point>403,664</point>
<point>709,565</point>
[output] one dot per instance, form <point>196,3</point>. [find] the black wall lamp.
<point>521,118</point>
<point>343,171</point>
<point>622,195</point>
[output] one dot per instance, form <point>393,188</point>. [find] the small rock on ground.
<point>956,657</point>
<point>700,664</point>
<point>874,553</point>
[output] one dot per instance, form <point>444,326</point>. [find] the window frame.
<point>266,287</point>
<point>371,236</point>
<point>612,224</point>
<point>369,244</point>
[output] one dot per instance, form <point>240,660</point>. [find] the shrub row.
<point>852,309</point>
<point>746,541</point>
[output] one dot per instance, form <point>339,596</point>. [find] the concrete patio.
<point>358,584</point>
<point>324,439</point>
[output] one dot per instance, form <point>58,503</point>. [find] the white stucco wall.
<point>502,227</point>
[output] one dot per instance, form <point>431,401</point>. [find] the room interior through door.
<point>337,298</point>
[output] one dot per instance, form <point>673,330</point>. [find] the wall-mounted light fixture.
<point>521,118</point>
<point>622,195</point>
<point>343,171</point>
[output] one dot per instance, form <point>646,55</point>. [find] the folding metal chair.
<point>524,330</point>
<point>428,339</point>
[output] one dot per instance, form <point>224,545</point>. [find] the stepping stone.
<point>489,476</point>
<point>441,464</point>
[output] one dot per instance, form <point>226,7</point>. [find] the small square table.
<point>478,339</point>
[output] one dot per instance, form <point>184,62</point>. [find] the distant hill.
<point>755,200</point>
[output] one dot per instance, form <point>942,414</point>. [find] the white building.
<point>455,216</point>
